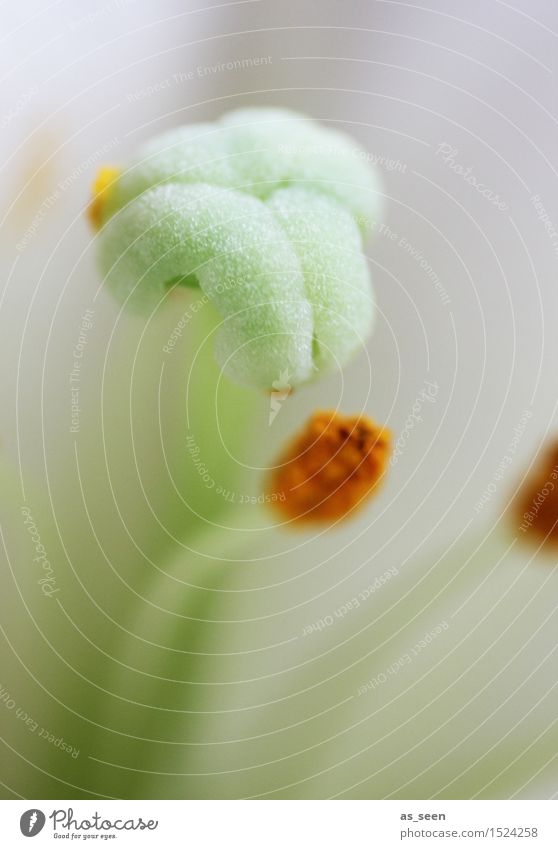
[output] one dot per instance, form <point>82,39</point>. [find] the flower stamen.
<point>331,468</point>
<point>101,190</point>
<point>537,506</point>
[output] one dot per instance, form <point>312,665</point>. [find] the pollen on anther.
<point>331,468</point>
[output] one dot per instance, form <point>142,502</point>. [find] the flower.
<point>265,211</point>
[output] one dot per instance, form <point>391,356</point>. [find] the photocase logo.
<point>32,822</point>
<point>281,389</point>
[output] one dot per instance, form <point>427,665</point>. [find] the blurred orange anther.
<point>331,468</point>
<point>537,505</point>
<point>103,185</point>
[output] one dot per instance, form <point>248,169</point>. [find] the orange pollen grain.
<point>101,190</point>
<point>537,505</point>
<point>330,469</point>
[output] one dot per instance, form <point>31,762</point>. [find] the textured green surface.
<point>264,210</point>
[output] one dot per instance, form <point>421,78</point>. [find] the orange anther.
<point>102,187</point>
<point>331,468</point>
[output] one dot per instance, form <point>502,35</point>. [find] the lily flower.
<point>206,661</point>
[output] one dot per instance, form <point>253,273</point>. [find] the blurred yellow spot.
<point>102,187</point>
<point>331,468</point>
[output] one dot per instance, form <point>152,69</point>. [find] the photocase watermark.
<point>547,222</point>
<point>355,153</point>
<point>65,821</point>
<point>226,494</point>
<point>351,604</point>
<point>530,515</point>
<point>18,107</point>
<point>48,581</point>
<point>199,72</point>
<point>449,155</point>
<point>418,257</point>
<point>505,462</point>
<point>233,65</point>
<point>189,314</point>
<point>65,826</point>
<point>61,187</point>
<point>32,822</point>
<point>427,396</point>
<point>184,321</point>
<point>75,374</point>
<point>34,727</point>
<point>281,389</point>
<point>387,163</point>
<point>404,659</point>
<point>99,13</point>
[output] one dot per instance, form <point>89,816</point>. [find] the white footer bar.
<point>281,824</point>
